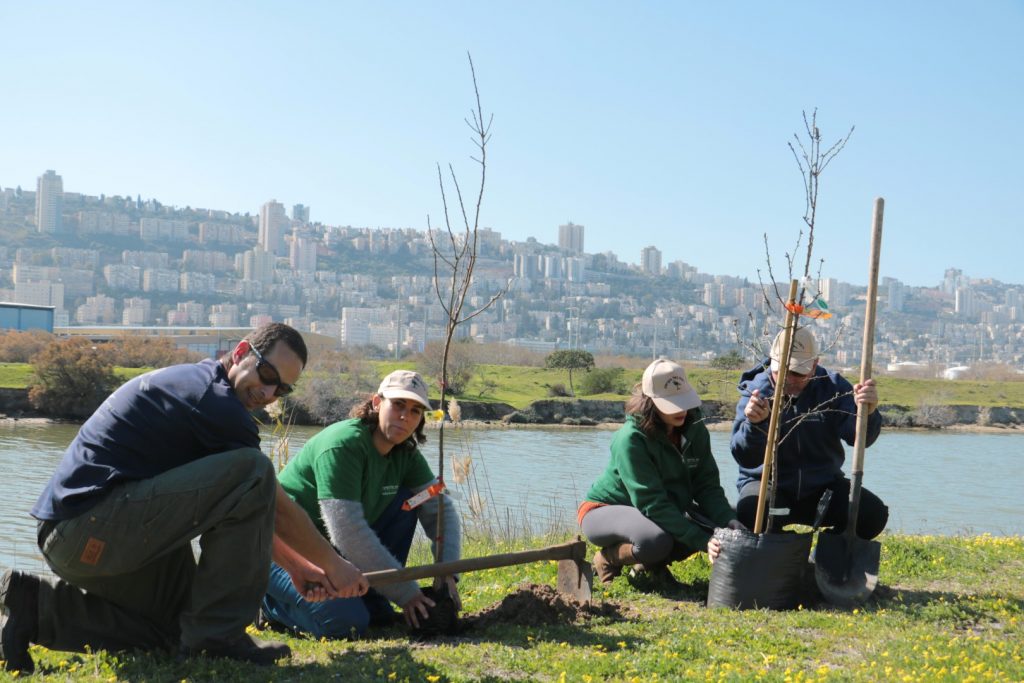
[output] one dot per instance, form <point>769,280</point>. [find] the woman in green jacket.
<point>661,470</point>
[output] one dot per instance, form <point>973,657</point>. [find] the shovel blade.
<point>575,579</point>
<point>846,568</point>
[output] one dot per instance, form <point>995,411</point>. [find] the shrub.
<point>603,381</point>
<point>934,416</point>
<point>149,352</point>
<point>330,385</point>
<point>72,378</point>
<point>460,364</point>
<point>19,347</point>
<point>730,361</point>
<point>324,398</point>
<point>557,390</point>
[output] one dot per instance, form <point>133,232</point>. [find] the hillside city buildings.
<point>127,262</point>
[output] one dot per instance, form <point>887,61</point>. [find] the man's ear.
<point>375,401</point>
<point>241,350</point>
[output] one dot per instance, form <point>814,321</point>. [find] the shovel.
<point>845,565</point>
<point>574,578</point>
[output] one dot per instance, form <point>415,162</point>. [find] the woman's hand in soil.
<point>453,589</point>
<point>416,609</point>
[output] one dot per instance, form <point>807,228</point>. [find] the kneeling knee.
<point>653,550</point>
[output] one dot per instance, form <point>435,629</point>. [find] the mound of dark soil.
<point>539,605</point>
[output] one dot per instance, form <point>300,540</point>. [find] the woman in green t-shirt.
<point>352,479</point>
<point>661,470</point>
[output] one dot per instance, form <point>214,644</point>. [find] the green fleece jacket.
<point>662,482</point>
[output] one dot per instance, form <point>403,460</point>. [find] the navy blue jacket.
<point>151,424</point>
<point>809,453</point>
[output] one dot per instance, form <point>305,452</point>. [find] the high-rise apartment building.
<point>258,265</point>
<point>300,213</point>
<point>49,203</point>
<point>835,293</point>
<point>896,295</point>
<point>650,260</point>
<point>302,253</point>
<point>570,238</point>
<point>273,224</point>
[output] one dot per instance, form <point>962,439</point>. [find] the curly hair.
<point>371,418</point>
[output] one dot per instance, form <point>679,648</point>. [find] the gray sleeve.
<point>451,530</point>
<point>357,542</point>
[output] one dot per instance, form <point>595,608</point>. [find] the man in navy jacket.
<point>819,413</point>
<point>171,456</point>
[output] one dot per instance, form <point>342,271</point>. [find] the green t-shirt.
<point>341,462</point>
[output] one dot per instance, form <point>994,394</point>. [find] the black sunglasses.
<point>269,375</point>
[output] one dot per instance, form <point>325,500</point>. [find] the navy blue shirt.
<point>153,423</point>
<point>810,452</point>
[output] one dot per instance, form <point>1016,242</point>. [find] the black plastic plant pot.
<point>759,570</point>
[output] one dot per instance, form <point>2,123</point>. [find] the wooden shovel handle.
<point>576,550</point>
<point>866,357</point>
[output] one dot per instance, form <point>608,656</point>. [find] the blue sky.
<point>658,123</point>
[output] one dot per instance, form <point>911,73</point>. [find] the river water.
<point>532,479</point>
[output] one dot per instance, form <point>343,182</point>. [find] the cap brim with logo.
<point>665,383</point>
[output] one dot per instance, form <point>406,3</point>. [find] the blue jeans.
<point>343,617</point>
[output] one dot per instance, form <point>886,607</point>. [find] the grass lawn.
<point>15,375</point>
<point>947,609</point>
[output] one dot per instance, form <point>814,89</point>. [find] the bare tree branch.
<point>461,262</point>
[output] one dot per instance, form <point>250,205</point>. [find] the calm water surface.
<point>933,483</point>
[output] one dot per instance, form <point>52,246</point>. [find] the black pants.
<point>871,517</point>
<point>613,524</point>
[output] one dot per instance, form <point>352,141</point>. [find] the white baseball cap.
<point>405,384</point>
<point>802,354</point>
<point>666,384</point>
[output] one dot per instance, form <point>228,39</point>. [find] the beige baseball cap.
<point>405,384</point>
<point>666,384</point>
<point>802,355</point>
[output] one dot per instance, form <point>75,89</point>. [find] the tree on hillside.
<point>570,359</point>
<point>72,378</point>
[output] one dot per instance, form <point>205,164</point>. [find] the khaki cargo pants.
<point>129,576</point>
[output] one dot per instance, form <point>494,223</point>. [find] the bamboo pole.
<point>773,424</point>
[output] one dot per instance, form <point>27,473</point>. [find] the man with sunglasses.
<point>171,456</point>
<point>818,413</point>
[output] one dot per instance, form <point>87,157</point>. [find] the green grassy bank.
<point>19,375</point>
<point>947,609</point>
<point>519,386</point>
